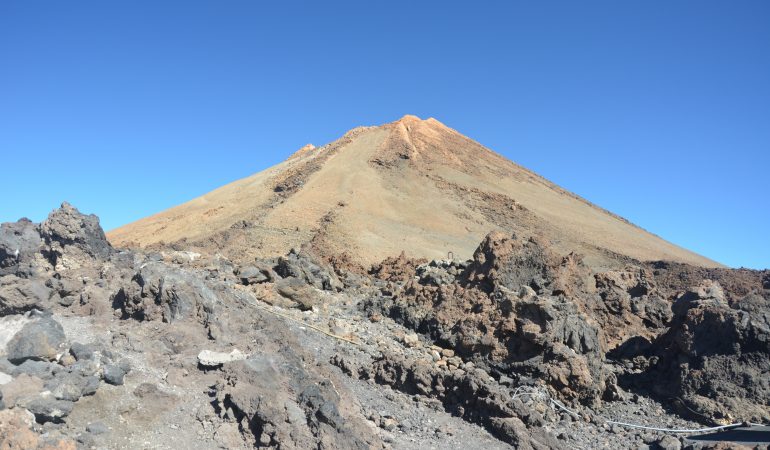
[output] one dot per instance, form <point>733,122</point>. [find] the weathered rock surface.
<point>487,343</point>
<point>525,313</point>
<point>491,312</point>
<point>20,243</point>
<point>308,414</point>
<point>470,394</point>
<point>19,295</point>
<point>294,289</point>
<point>716,356</point>
<point>254,275</point>
<point>160,292</point>
<point>73,238</point>
<point>308,268</point>
<point>41,339</point>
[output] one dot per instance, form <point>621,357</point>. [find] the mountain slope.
<point>413,185</point>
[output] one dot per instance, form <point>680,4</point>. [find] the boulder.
<point>161,292</point>
<point>43,370</point>
<point>113,374</point>
<point>308,268</point>
<point>16,430</point>
<point>435,273</point>
<point>296,290</point>
<point>82,351</point>
<point>48,408</point>
<point>70,386</point>
<point>21,387</point>
<point>97,428</point>
<point>253,275</point>
<point>19,242</point>
<point>38,340</point>
<point>73,239</point>
<point>512,262</point>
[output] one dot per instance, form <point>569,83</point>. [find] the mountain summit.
<point>411,185</point>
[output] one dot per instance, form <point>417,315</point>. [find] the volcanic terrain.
<point>400,288</point>
<point>411,185</point>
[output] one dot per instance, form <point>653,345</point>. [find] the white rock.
<point>9,326</point>
<point>212,359</point>
<point>5,378</point>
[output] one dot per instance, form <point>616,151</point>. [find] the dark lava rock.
<point>493,314</point>
<point>66,230</point>
<point>161,292</point>
<point>307,267</point>
<point>21,295</point>
<point>48,409</point>
<point>709,343</point>
<point>19,242</point>
<point>82,351</point>
<point>44,370</point>
<point>470,395</point>
<point>304,416</point>
<point>70,386</point>
<point>114,374</point>
<point>38,340</point>
<point>254,275</point>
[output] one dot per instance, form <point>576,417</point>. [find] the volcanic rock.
<point>39,340</point>
<point>73,238</point>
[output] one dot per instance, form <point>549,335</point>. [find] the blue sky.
<point>658,111</point>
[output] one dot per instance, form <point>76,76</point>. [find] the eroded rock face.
<point>19,243</point>
<point>469,393</point>
<point>19,295</point>
<point>504,260</point>
<point>716,357</point>
<point>161,292</point>
<point>508,310</point>
<point>73,238</point>
<point>629,306</point>
<point>304,266</point>
<point>309,415</point>
<point>524,312</point>
<point>398,269</point>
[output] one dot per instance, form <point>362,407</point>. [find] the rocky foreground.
<point>520,346</point>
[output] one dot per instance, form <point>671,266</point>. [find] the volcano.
<point>411,185</point>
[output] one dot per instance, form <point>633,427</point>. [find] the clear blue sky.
<point>656,110</point>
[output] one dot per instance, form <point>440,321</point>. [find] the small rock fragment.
<point>97,428</point>
<point>411,340</point>
<point>114,374</point>
<point>208,358</point>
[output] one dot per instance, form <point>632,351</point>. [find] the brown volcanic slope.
<point>413,185</point>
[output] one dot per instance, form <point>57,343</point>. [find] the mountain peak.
<point>411,184</point>
<point>408,118</point>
